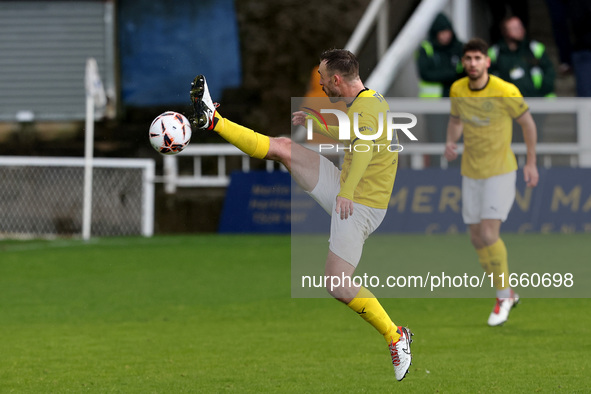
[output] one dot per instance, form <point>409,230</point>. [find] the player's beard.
<point>475,77</point>
<point>332,95</point>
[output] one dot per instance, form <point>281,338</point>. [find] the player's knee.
<point>280,149</point>
<point>341,288</point>
<point>488,235</point>
<point>339,293</point>
<point>332,291</point>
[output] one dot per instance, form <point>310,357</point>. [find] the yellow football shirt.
<point>487,117</point>
<point>369,167</point>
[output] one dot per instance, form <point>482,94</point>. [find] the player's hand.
<point>450,151</point>
<point>344,207</point>
<point>530,175</point>
<point>298,118</point>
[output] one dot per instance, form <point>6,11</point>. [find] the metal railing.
<point>375,14</point>
<point>172,179</point>
<point>581,107</point>
<point>405,44</point>
<point>578,153</point>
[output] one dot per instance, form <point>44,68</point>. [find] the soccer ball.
<point>170,133</point>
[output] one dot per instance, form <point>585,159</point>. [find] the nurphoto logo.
<point>344,124</point>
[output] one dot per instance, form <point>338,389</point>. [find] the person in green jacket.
<point>521,61</point>
<point>439,59</point>
<point>439,62</point>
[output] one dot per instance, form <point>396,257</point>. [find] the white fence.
<point>578,153</point>
<point>173,179</point>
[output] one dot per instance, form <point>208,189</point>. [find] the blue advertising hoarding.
<point>426,201</point>
<point>257,202</point>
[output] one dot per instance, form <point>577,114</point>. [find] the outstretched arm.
<point>299,118</point>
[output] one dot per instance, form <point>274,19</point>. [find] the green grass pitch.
<point>205,313</point>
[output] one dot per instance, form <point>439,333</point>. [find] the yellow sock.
<point>248,141</point>
<point>370,309</point>
<point>484,259</point>
<point>499,265</point>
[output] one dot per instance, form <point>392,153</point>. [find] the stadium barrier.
<point>173,178</point>
<point>426,201</point>
<point>574,153</point>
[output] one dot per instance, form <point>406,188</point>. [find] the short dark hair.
<point>341,61</point>
<point>476,44</point>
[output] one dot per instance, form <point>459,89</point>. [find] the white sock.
<point>504,293</point>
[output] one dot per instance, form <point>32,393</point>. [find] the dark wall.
<point>281,41</point>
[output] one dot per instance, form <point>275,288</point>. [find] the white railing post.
<point>221,166</point>
<point>584,131</point>
<point>170,174</point>
<point>197,167</point>
<point>148,200</point>
<point>245,163</point>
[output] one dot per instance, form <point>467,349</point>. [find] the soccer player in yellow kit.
<point>483,107</point>
<point>356,197</point>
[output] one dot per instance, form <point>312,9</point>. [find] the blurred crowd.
<point>515,57</point>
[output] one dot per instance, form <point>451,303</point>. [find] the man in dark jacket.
<point>439,62</point>
<point>522,62</point>
<point>439,59</point>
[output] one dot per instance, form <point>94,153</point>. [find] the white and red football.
<point>170,133</point>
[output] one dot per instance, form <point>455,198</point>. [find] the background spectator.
<point>439,59</point>
<point>500,9</point>
<point>439,65</point>
<point>521,61</point>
